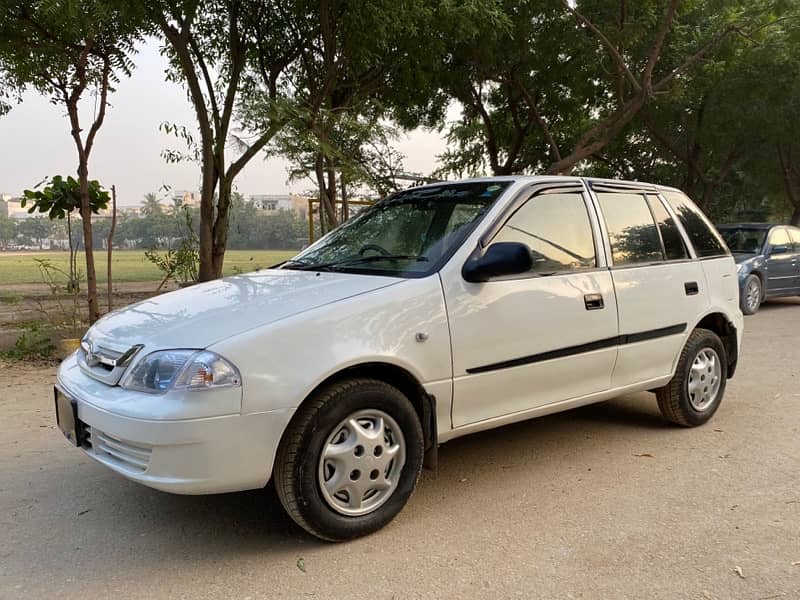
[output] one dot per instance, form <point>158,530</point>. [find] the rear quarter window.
<point>702,234</point>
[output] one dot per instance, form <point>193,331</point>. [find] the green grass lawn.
<point>127,265</point>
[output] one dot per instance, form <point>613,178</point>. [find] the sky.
<point>35,142</point>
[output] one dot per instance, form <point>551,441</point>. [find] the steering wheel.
<point>375,248</point>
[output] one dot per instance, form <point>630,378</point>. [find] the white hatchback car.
<point>440,311</point>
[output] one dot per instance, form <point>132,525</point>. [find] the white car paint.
<point>287,331</point>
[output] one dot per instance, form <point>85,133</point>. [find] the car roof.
<point>552,178</point>
<point>747,225</point>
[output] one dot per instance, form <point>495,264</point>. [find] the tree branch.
<point>98,122</point>
<point>705,49</point>
<point>658,44</point>
<point>619,61</point>
<point>491,140</point>
<point>551,141</point>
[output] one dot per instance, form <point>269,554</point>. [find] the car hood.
<point>740,257</point>
<point>200,315</point>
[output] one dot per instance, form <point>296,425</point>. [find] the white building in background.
<point>11,207</point>
<point>272,203</point>
<point>190,199</point>
<point>131,211</point>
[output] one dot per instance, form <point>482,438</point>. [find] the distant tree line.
<point>157,228</point>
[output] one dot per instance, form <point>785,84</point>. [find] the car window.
<point>744,240</point>
<point>702,234</point>
<point>780,237</point>
<point>631,228</point>
<point>674,246</point>
<point>795,235</point>
<point>556,227</point>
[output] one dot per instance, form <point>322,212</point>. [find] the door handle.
<point>593,301</point>
<point>691,287</point>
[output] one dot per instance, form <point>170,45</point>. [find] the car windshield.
<point>744,240</point>
<point>408,234</point>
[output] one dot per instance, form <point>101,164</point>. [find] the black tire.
<point>751,303</point>
<point>296,464</point>
<point>674,400</point>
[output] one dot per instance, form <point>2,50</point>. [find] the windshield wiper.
<point>355,260</point>
<point>291,262</point>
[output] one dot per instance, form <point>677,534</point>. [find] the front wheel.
<point>751,295</point>
<point>693,395</point>
<point>350,459</point>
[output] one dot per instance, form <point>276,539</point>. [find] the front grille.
<point>104,363</point>
<point>134,457</point>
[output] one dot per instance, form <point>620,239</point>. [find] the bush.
<point>32,344</point>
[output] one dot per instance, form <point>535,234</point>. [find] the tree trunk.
<point>345,203</point>
<point>327,210</point>
<point>795,220</point>
<point>791,180</point>
<point>111,244</point>
<point>72,286</point>
<point>206,237</point>
<point>221,225</point>
<point>331,189</point>
<point>88,242</point>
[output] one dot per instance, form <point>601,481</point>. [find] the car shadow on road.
<point>779,304</point>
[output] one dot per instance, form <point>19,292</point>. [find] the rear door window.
<point>631,228</point>
<point>674,246</point>
<point>702,234</point>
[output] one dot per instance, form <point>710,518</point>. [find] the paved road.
<point>602,502</point>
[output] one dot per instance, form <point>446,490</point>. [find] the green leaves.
<point>54,45</point>
<point>62,196</point>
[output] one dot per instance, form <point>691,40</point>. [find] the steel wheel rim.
<point>752,294</point>
<point>705,377</point>
<point>361,462</point>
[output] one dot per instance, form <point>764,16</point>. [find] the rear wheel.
<point>693,395</point>
<point>751,295</point>
<point>350,459</point>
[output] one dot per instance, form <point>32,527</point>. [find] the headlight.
<point>181,370</point>
<point>739,267</point>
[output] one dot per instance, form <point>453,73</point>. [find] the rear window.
<point>702,234</point>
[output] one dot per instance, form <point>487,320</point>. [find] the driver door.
<point>781,263</point>
<point>542,337</point>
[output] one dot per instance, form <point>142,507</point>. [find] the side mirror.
<point>501,258</point>
<point>783,249</point>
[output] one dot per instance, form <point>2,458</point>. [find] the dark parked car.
<point>768,260</point>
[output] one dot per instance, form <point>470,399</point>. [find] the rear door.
<point>660,288</point>
<point>781,263</point>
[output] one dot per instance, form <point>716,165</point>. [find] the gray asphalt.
<point>602,502</point>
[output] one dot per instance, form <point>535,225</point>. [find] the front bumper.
<point>202,455</point>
